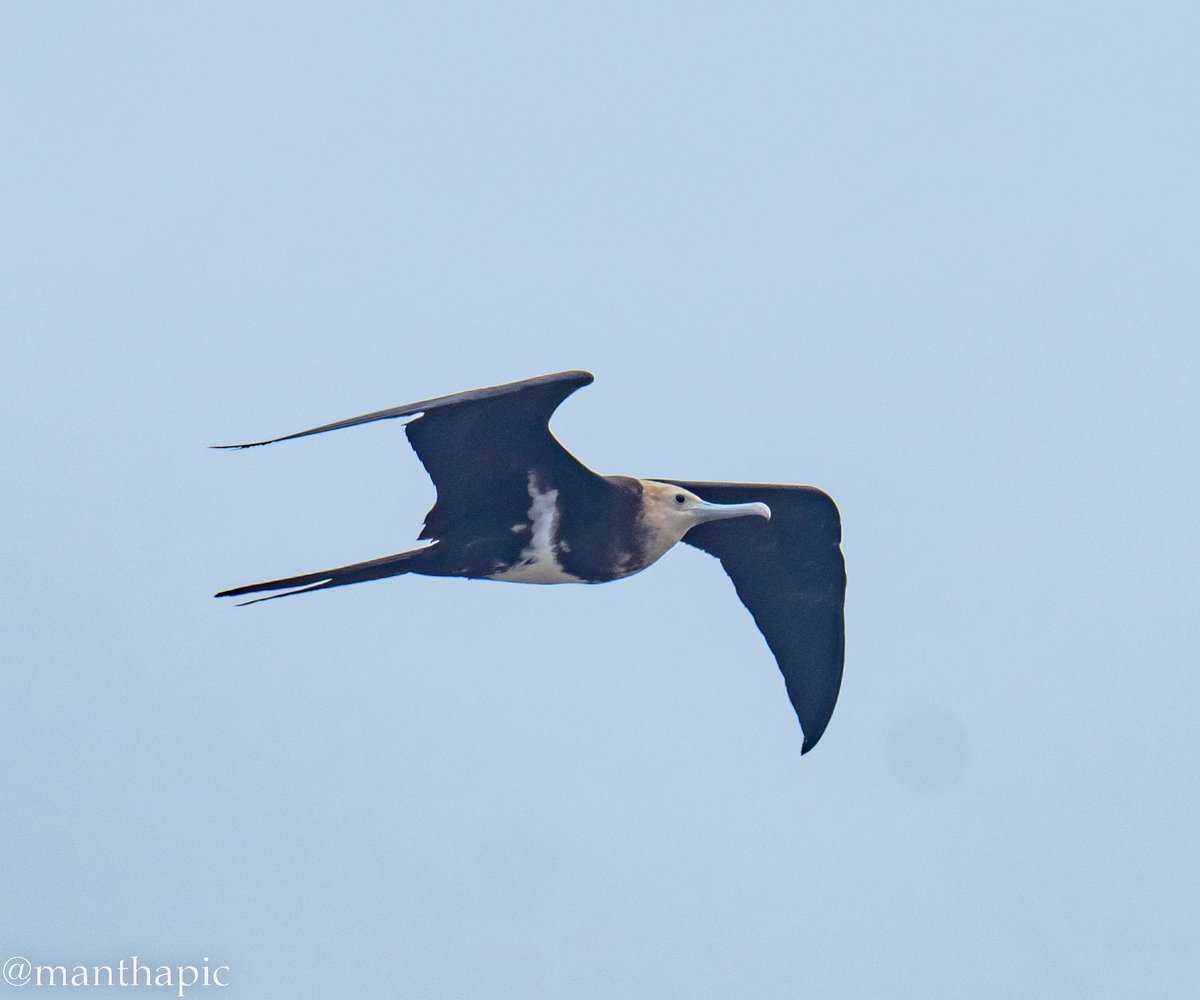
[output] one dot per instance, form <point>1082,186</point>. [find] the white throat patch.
<point>538,562</point>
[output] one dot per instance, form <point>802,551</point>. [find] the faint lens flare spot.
<point>928,748</point>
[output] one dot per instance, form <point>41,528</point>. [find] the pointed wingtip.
<point>808,743</point>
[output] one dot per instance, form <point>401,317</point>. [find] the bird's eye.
<point>680,499</point>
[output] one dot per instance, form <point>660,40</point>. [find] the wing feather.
<point>790,575</point>
<point>551,389</point>
<point>480,448</point>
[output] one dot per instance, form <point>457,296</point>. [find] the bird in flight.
<point>514,505</point>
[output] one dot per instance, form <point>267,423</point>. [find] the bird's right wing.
<point>790,575</point>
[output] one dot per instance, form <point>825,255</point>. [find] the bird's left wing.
<point>484,449</point>
<point>539,395</point>
<point>790,575</point>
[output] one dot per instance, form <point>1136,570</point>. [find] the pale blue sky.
<point>938,259</point>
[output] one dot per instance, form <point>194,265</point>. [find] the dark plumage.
<point>514,505</point>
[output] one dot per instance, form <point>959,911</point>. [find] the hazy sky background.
<point>938,259</point>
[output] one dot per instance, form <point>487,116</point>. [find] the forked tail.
<point>373,569</point>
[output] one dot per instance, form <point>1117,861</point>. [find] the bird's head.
<point>675,511</point>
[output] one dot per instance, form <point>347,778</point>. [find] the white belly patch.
<point>538,561</point>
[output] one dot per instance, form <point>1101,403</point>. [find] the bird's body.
<point>514,506</point>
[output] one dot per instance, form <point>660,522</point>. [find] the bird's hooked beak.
<point>706,511</point>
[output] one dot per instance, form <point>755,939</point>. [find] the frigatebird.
<point>514,505</point>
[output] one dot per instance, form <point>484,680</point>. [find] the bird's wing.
<point>548,390</point>
<point>480,448</point>
<point>790,575</point>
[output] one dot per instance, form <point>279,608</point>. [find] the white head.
<point>669,512</point>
